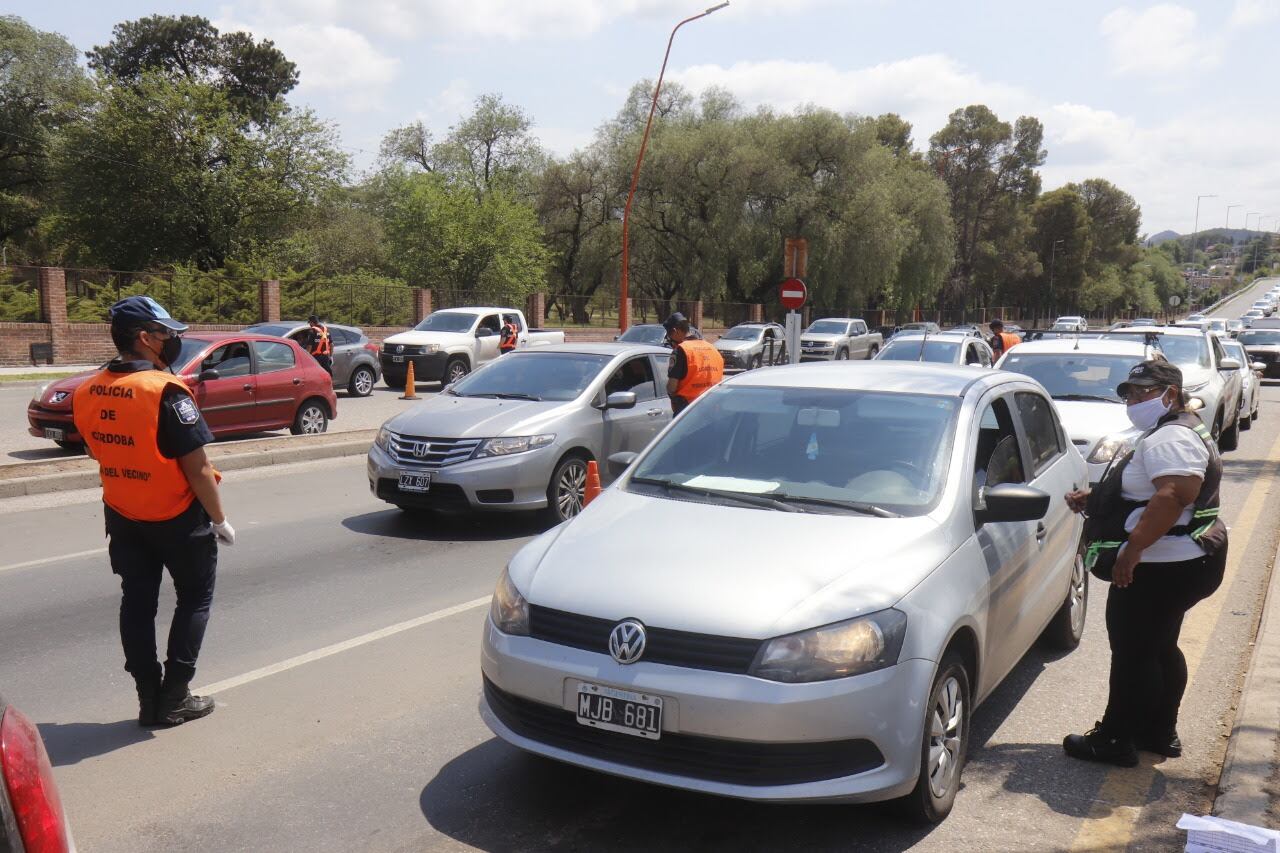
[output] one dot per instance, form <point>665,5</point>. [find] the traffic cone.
<point>592,487</point>
<point>410,384</point>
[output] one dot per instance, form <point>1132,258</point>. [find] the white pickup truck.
<point>452,342</point>
<point>839,339</point>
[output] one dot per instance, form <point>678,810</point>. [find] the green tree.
<point>492,148</point>
<point>1061,238</point>
<point>42,90</point>
<point>1114,218</point>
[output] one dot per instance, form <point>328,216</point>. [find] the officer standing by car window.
<point>1154,518</point>
<point>161,501</point>
<point>695,365</point>
<point>321,346</point>
<point>1001,341</point>
<point>510,336</point>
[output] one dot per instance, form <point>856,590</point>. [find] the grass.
<point>31,377</point>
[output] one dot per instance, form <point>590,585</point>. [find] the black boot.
<point>1099,745</point>
<point>148,700</point>
<point>1164,742</point>
<point>178,706</point>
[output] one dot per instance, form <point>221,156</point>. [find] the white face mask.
<point>1146,414</point>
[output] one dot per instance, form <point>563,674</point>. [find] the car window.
<point>341,337</point>
<point>659,364</point>
<point>556,376</point>
<point>273,356</point>
<point>635,374</point>
<point>1040,425</point>
<point>998,458</point>
<point>919,349</point>
<point>229,360</point>
<point>514,319</point>
<point>971,355</point>
<point>491,321</point>
<point>859,328</point>
<point>1218,351</point>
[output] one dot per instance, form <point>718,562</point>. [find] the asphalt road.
<point>344,650</point>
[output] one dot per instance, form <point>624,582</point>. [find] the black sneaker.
<point>178,706</point>
<point>1163,743</point>
<point>1097,745</point>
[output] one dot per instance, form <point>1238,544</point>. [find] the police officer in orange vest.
<point>510,337</point>
<point>1001,341</point>
<point>161,502</point>
<point>695,364</point>
<point>321,348</point>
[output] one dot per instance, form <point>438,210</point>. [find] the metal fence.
<point>353,303</point>
<point>470,298</point>
<point>193,297</point>
<point>597,311</point>
<point>19,295</point>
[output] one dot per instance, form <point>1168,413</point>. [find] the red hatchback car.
<point>243,383</point>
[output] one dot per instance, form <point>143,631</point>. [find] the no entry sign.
<point>792,294</point>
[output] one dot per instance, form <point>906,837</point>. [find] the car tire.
<point>944,742</point>
<point>1246,421</point>
<point>394,382</point>
<point>455,369</point>
<point>72,446</point>
<point>361,382</point>
<point>842,355</point>
<point>312,418</point>
<point>872,352</point>
<point>1067,626</point>
<point>566,491</point>
<point>758,361</point>
<point>1230,438</point>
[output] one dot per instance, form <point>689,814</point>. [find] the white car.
<point>1070,323</point>
<point>942,348</point>
<point>1082,377</point>
<point>1251,382</point>
<point>1263,305</point>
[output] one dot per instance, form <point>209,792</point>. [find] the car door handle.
<point>297,381</point>
<point>1041,532</point>
<point>248,387</point>
<point>654,413</point>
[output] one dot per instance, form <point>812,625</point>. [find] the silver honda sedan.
<point>800,590</point>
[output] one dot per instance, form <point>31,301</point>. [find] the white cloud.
<point>1160,40</point>
<point>1250,13</point>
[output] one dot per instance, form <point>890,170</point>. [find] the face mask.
<point>1146,414</point>
<point>169,350</point>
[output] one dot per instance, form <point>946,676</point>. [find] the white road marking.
<point>44,561</point>
<point>337,648</point>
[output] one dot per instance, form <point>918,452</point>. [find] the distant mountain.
<point>1207,236</point>
<point>1162,237</point>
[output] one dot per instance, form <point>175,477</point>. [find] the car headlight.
<point>40,389</point>
<point>383,439</point>
<point>513,444</point>
<point>847,648</point>
<point>430,348</point>
<point>1107,449</point>
<point>508,610</point>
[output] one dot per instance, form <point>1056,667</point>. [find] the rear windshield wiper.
<point>1086,397</point>
<point>762,501</point>
<point>855,506</point>
<point>516,396</point>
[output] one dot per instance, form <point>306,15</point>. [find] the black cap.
<point>676,319</point>
<point>313,320</point>
<point>134,311</point>
<point>994,323</point>
<point>1151,374</point>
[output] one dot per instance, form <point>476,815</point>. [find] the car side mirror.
<point>1013,502</point>
<point>620,462</point>
<point>1259,366</point>
<point>209,375</point>
<point>620,400</point>
<point>1228,364</point>
<point>485,332</point>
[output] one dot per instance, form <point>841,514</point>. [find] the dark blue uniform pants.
<point>140,552</point>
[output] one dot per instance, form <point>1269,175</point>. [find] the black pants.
<point>326,362</point>
<point>1148,671</point>
<point>140,552</point>
<point>678,405</point>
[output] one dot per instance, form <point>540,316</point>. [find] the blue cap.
<point>133,311</point>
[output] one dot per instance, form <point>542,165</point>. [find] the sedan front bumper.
<point>847,740</point>
<point>503,483</point>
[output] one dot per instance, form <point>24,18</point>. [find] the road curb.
<point>1247,786</point>
<point>253,453</point>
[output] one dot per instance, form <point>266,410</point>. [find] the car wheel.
<point>395,382</point>
<point>361,384</point>
<point>1067,627</point>
<point>842,355</point>
<point>872,352</point>
<point>758,361</point>
<point>945,741</point>
<point>567,490</point>
<point>312,419</point>
<point>455,370</point>
<point>1230,438</point>
<point>1246,421</point>
<point>73,446</point>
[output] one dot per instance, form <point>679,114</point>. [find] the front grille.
<point>402,349</point>
<point>447,497</point>
<point>438,452</point>
<point>662,645</point>
<point>1265,356</point>
<point>696,757</point>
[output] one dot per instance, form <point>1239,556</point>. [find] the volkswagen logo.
<point>421,448</point>
<point>399,347</point>
<point>626,641</point>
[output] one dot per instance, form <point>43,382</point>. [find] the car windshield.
<point>921,349</point>
<point>743,333</point>
<point>1258,338</point>
<point>276,330</point>
<point>1074,376</point>
<point>1069,327</point>
<point>447,322</point>
<point>1185,350</point>
<point>827,327</point>
<point>1218,325</point>
<point>191,347</point>
<point>1233,349</point>
<point>815,450</point>
<point>533,376</point>
<point>644,335</point>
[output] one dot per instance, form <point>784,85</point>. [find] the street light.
<point>1228,225</point>
<point>1053,256</point>
<point>1196,232</point>
<point>624,314</point>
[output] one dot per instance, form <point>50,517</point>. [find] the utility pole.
<point>1053,257</point>
<point>1196,232</point>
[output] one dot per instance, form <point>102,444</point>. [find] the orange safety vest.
<point>118,416</point>
<point>1008,341</point>
<point>705,369</point>
<point>322,344</point>
<point>510,336</point>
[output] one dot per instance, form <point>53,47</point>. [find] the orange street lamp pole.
<point>624,313</point>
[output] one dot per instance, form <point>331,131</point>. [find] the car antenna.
<point>924,340</point>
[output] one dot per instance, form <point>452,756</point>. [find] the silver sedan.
<point>801,590</point>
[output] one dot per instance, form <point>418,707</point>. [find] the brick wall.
<point>16,340</point>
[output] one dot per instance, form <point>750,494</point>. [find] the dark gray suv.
<point>355,359</point>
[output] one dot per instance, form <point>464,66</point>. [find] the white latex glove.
<point>225,532</point>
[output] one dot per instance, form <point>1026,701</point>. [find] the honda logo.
<point>421,448</point>
<point>626,641</point>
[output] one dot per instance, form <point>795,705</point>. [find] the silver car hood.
<point>416,338</point>
<point>821,339</point>
<point>1093,421</point>
<point>726,570</point>
<point>446,416</point>
<point>733,346</point>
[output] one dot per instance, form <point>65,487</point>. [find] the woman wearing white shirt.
<point>1161,571</point>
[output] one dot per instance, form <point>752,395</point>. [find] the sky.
<point>1169,100</point>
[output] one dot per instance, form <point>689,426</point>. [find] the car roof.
<point>607,348</point>
<point>948,335</point>
<point>477,309</point>
<point>901,377</point>
<point>1183,331</point>
<point>1091,346</point>
<point>299,324</point>
<point>754,325</point>
<point>836,319</point>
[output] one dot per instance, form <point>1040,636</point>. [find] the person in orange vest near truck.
<point>161,501</point>
<point>321,348</point>
<point>510,336</point>
<point>1002,341</point>
<point>695,365</point>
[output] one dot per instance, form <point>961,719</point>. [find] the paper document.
<point>1216,835</point>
